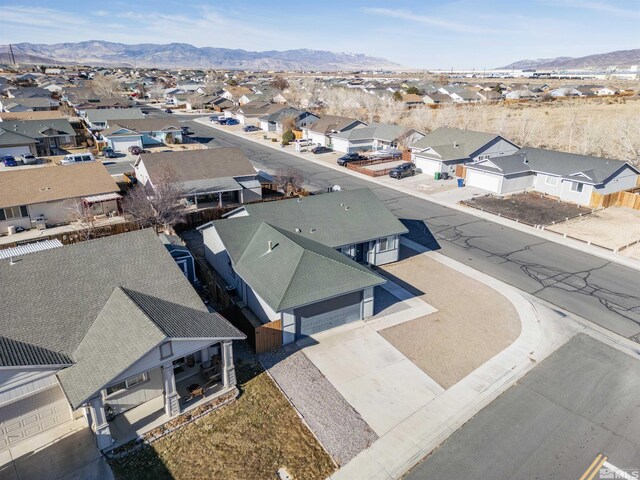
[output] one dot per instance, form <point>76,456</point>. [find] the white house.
<point>320,131</point>
<point>567,176</point>
<point>444,148</point>
<point>374,137</point>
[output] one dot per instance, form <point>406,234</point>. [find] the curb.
<point>551,237</point>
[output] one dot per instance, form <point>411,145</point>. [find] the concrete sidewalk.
<point>401,447</point>
<point>448,198</point>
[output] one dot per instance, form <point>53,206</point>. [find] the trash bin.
<point>445,175</point>
<point>437,176</point>
<point>264,137</point>
<point>460,182</point>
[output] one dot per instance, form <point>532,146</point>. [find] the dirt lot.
<point>529,208</point>
<point>632,252</point>
<point>612,227</point>
<point>473,322</point>
<point>250,438</point>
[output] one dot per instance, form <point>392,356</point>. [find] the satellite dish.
<point>336,188</point>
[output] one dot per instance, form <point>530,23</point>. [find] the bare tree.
<point>196,100</point>
<point>280,83</point>
<point>158,205</point>
<point>105,86</point>
<point>289,180</point>
<point>289,123</point>
<point>80,215</point>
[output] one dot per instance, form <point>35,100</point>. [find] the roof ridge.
<point>145,311</point>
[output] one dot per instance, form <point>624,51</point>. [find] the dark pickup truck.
<point>350,157</point>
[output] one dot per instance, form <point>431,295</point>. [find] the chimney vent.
<point>270,245</point>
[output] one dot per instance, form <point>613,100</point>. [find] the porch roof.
<point>102,198</point>
<point>129,325</point>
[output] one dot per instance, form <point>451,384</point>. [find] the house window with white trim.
<point>551,181</point>
<point>128,383</point>
<point>10,213</point>
<point>385,244</point>
<point>576,187</point>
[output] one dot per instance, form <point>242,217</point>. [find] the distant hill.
<point>619,58</point>
<point>96,52</point>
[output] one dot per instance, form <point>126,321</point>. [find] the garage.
<point>122,144</point>
<point>14,151</point>
<point>32,415</point>
<point>328,314</point>
<point>427,165</point>
<point>485,180</point>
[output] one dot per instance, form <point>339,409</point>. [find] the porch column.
<point>220,199</point>
<point>195,200</point>
<point>241,196</point>
<point>204,355</point>
<point>228,368</point>
<point>367,302</point>
<point>99,423</point>
<point>171,400</point>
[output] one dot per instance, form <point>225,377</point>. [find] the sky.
<point>461,34</point>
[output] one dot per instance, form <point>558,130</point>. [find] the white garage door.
<point>32,415</point>
<point>485,180</point>
<point>328,314</point>
<point>122,144</point>
<point>427,166</point>
<point>14,151</point>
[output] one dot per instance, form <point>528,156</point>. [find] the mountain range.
<point>96,52</point>
<point>619,58</point>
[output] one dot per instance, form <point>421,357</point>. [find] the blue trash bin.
<point>460,182</point>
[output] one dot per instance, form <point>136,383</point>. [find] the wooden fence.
<point>461,171</point>
<point>268,337</point>
<point>629,199</point>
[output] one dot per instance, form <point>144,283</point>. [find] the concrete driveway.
<point>73,457</point>
<point>379,382</point>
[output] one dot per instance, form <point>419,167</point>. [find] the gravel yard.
<point>340,429</point>
<point>473,322</point>
<point>612,227</point>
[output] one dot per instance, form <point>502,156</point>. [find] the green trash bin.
<point>437,175</point>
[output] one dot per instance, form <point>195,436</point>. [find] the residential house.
<point>565,92</point>
<point>118,341</point>
<point>98,119</point>
<point>436,98</point>
<point>32,104</point>
<point>39,115</point>
<point>521,94</point>
<point>411,100</point>
<point>250,113</point>
<point>374,137</point>
<point>180,253</point>
<point>50,134</point>
<point>320,131</point>
<point>207,178</point>
<point>444,148</point>
<point>14,143</point>
<point>275,122</point>
<point>48,195</point>
<point>567,176</point>
<point>300,261</point>
<point>123,134</point>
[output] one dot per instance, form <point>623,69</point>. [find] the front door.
<point>359,257</point>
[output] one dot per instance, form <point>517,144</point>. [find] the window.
<point>128,383</point>
<point>552,181</point>
<point>385,244</point>
<point>166,350</point>
<point>577,187</point>
<point>10,213</point>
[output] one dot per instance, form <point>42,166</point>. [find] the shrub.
<point>288,137</point>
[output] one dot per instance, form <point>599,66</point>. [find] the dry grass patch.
<point>249,439</point>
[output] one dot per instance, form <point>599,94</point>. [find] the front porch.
<point>135,405</point>
<point>215,200</point>
<point>139,420</point>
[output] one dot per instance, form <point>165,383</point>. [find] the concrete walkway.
<point>415,436</point>
<point>448,199</point>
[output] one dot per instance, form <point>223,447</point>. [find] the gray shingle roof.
<point>36,128</point>
<point>104,114</point>
<point>51,299</point>
<point>14,353</point>
<point>579,168</point>
<point>454,143</point>
<point>379,131</point>
<point>296,271</point>
<point>337,219</point>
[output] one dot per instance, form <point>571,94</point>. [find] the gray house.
<point>570,177</point>
<point>302,261</point>
<point>119,346</point>
<point>275,122</point>
<point>49,134</point>
<point>444,148</point>
<point>99,118</point>
<point>374,137</point>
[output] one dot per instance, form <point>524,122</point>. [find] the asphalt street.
<point>606,293</point>
<point>580,402</point>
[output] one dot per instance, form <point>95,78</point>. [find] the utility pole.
<point>13,58</point>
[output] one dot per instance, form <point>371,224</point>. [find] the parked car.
<point>186,131</point>
<point>215,118</point>
<point>77,158</point>
<point>9,161</point>
<point>320,149</point>
<point>404,170</point>
<point>350,157</point>
<point>28,159</point>
<point>232,121</point>
<point>135,150</point>
<point>109,152</point>
<point>168,110</point>
<point>250,128</point>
